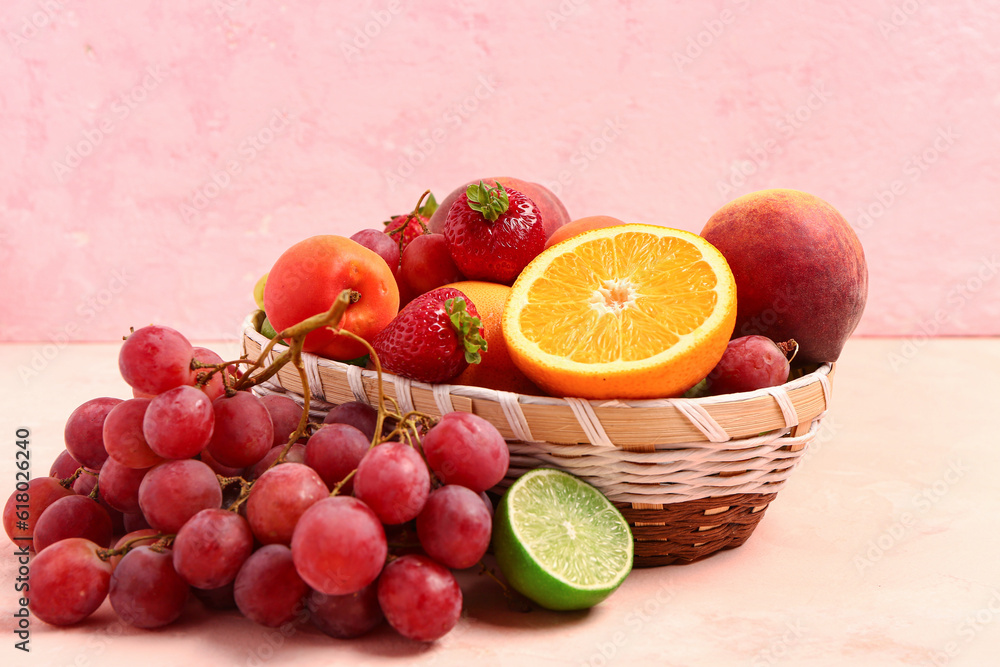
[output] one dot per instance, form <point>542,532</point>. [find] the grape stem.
<point>163,540</point>
<point>341,483</point>
<point>790,345</point>
<point>296,333</point>
<point>406,221</point>
<point>68,481</point>
<point>408,425</point>
<point>373,355</point>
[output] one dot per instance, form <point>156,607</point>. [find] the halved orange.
<point>632,311</point>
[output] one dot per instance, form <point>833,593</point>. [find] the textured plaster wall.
<point>158,156</point>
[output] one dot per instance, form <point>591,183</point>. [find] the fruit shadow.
<point>232,634</point>
<point>486,603</point>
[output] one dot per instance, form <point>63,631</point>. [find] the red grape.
<point>145,589</point>
<point>85,485</point>
<point>117,519</point>
<point>488,502</point>
<point>206,457</point>
<point>465,449</point>
<point>138,538</point>
<point>268,590</point>
<point>85,482</point>
<point>120,486</point>
<point>134,522</point>
<point>123,436</point>
<point>211,547</point>
<point>215,386</point>
<point>346,616</point>
<point>382,244</point>
<point>84,432</point>
<point>179,423</point>
<point>285,416</point>
<point>243,431</point>
<point>455,527</point>
<point>419,597</point>
<point>339,546</point>
<point>26,504</point>
<point>279,498</point>
<point>354,413</point>
<point>64,466</point>
<point>154,359</point>
<point>73,516</point>
<point>334,451</point>
<point>749,363</point>
<point>220,598</point>
<point>426,264</point>
<point>392,479</point>
<point>69,581</point>
<point>173,492</point>
<point>296,454</point>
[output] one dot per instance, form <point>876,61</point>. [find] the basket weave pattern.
<point>691,476</point>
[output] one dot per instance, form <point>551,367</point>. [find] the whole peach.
<point>800,269</point>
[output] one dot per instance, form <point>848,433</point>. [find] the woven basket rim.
<point>720,418</point>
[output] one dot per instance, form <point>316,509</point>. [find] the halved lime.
<point>560,541</point>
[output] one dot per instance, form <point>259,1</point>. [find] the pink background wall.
<point>158,157</point>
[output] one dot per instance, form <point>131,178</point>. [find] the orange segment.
<point>630,311</point>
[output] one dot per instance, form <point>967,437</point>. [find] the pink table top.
<point>880,550</point>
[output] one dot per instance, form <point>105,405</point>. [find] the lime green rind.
<point>561,504</point>
<point>536,558</point>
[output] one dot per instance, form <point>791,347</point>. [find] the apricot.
<point>311,274</point>
<point>799,267</point>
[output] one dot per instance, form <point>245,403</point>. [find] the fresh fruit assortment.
<point>593,307</point>
<point>197,484</point>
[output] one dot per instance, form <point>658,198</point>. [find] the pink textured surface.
<point>877,552</point>
<point>158,157</point>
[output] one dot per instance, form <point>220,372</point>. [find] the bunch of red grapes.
<point>207,493</point>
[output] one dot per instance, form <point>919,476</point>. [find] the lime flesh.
<point>560,542</point>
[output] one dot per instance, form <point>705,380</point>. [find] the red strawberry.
<point>433,339</point>
<point>493,233</point>
<point>404,228</point>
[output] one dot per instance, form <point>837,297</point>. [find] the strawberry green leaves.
<point>467,326</point>
<point>490,202</point>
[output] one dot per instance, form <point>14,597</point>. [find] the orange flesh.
<point>590,310</point>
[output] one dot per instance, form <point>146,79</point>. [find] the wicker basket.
<point>691,476</point>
